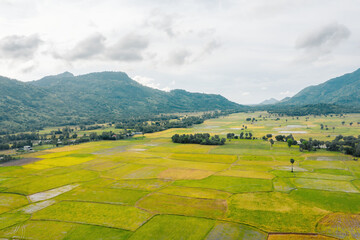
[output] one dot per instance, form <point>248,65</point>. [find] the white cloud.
<point>149,82</point>
<point>286,93</point>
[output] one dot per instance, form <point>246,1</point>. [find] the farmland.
<point>151,188</point>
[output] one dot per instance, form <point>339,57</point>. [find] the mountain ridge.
<point>344,89</point>
<point>94,97</point>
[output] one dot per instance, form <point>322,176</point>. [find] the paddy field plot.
<point>118,216</point>
<point>166,203</point>
<point>151,188</point>
<point>174,227</point>
<point>340,225</point>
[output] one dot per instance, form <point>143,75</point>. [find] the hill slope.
<point>95,97</point>
<point>343,90</point>
<point>269,101</point>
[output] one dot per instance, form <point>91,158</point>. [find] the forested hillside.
<point>95,97</point>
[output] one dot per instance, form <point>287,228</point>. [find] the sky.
<point>247,51</point>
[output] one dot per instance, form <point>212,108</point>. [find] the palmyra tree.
<point>292,164</point>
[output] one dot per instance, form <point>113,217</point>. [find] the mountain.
<point>285,99</point>
<point>94,97</point>
<point>21,102</point>
<point>269,101</point>
<point>343,90</point>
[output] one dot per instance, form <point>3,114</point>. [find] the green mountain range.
<point>95,97</point>
<point>343,90</point>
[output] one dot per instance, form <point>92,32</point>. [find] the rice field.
<point>151,188</point>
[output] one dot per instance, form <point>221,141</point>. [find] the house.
<point>28,148</point>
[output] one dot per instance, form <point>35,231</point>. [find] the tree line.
<point>198,138</point>
<point>345,144</point>
<point>242,135</point>
<point>163,122</point>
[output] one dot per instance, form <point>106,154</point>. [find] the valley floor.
<point>151,188</point>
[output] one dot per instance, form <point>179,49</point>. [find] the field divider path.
<point>90,224</point>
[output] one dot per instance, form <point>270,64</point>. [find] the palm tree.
<point>292,164</point>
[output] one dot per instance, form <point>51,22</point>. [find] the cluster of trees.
<point>251,119</point>
<point>322,127</point>
<point>198,138</point>
<point>281,138</point>
<point>242,135</point>
<point>290,140</point>
<point>107,136</point>
<point>5,158</point>
<point>4,146</point>
<point>345,144</point>
<point>92,127</point>
<point>163,122</point>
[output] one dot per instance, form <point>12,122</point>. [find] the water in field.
<point>290,132</point>
<point>296,126</point>
<point>329,158</point>
<point>289,129</point>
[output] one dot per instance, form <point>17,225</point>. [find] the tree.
<point>242,135</point>
<point>271,142</point>
<point>292,164</point>
<point>289,142</point>
<point>357,150</point>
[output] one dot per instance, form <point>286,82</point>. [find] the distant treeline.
<point>156,124</point>
<point>198,138</point>
<point>309,109</point>
<point>140,125</point>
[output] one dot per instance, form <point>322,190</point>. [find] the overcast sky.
<point>247,51</point>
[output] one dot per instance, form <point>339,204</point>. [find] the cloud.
<point>322,41</point>
<point>17,47</point>
<point>179,57</point>
<point>287,93</point>
<point>129,48</point>
<point>87,48</point>
<point>208,49</point>
<point>149,82</point>
<point>162,22</point>
<point>211,46</point>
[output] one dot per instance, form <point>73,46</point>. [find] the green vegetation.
<point>177,227</point>
<point>125,217</point>
<point>152,188</point>
<point>92,98</point>
<point>198,138</point>
<point>229,184</point>
<point>164,203</point>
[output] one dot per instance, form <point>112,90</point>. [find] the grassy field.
<point>151,188</point>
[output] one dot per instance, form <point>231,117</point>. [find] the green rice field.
<point>151,188</point>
